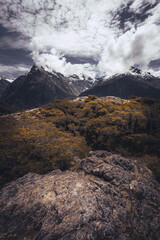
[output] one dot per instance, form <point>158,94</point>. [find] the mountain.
<point>36,88</point>
<point>135,82</point>
<point>3,85</point>
<point>105,197</point>
<point>82,83</point>
<point>39,87</point>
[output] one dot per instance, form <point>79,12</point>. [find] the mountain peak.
<point>35,68</point>
<point>140,73</point>
<point>135,70</point>
<point>134,82</point>
<point>41,86</point>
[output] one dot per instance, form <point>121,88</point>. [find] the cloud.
<point>53,62</point>
<point>85,29</point>
<point>12,71</point>
<point>138,5</point>
<point>134,47</point>
<point>155,73</point>
<point>15,42</point>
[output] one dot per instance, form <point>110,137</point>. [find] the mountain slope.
<point>3,85</point>
<point>125,85</point>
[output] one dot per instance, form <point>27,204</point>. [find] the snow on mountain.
<point>138,75</point>
<point>134,82</point>
<point>7,79</point>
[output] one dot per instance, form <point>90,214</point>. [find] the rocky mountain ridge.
<point>134,82</point>
<point>106,196</point>
<point>139,75</point>
<point>39,87</point>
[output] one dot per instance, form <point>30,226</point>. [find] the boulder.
<point>106,197</point>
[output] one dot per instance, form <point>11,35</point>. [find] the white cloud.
<point>13,71</point>
<point>155,73</point>
<point>84,28</point>
<point>138,5</point>
<point>133,47</point>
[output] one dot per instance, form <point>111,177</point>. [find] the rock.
<point>107,197</point>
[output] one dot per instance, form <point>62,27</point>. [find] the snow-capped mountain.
<point>39,87</point>
<point>134,82</point>
<point>81,83</point>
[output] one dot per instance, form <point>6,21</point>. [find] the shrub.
<point>48,139</point>
<point>91,98</point>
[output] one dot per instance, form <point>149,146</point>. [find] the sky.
<point>93,37</point>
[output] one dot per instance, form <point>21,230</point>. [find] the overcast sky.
<point>95,37</point>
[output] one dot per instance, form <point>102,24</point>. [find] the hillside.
<point>48,138</point>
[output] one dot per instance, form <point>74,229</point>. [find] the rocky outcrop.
<point>105,197</point>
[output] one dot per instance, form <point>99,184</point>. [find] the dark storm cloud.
<point>128,14</point>
<point>12,39</point>
<point>78,60</point>
<point>15,56</point>
<point>155,64</point>
<point>15,59</point>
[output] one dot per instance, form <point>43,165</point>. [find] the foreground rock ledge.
<point>108,197</point>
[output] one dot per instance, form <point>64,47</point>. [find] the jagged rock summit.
<point>106,197</point>
<point>134,82</point>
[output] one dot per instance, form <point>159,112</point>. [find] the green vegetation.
<point>43,140</point>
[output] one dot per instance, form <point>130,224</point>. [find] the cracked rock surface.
<point>107,197</point>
